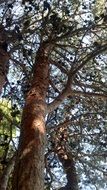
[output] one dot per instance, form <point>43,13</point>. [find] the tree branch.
<point>89,57</point>
<point>88,94</point>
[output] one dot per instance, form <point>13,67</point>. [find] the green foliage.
<point>9,121</point>
<point>99,7</point>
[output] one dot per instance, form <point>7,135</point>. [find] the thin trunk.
<point>29,168</point>
<point>4,57</point>
<point>66,159</point>
<point>6,174</point>
<point>70,170</point>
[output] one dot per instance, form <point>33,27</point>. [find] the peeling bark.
<point>29,168</point>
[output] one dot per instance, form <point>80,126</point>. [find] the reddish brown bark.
<point>29,168</point>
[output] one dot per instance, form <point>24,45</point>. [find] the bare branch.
<point>89,94</point>
<point>89,57</point>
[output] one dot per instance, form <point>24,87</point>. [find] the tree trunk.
<point>65,157</point>
<point>6,174</point>
<point>4,57</point>
<point>70,170</point>
<point>29,167</point>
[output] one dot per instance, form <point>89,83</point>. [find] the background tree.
<point>8,123</point>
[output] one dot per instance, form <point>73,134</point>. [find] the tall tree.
<point>32,139</point>
<point>58,52</point>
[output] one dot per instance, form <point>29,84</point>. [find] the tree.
<point>59,51</point>
<point>7,141</point>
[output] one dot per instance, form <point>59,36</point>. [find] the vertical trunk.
<point>66,158</point>
<point>6,174</point>
<point>29,168</point>
<point>4,57</point>
<point>70,170</point>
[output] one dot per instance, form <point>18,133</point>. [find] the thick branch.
<point>65,93</point>
<point>59,66</point>
<point>62,96</point>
